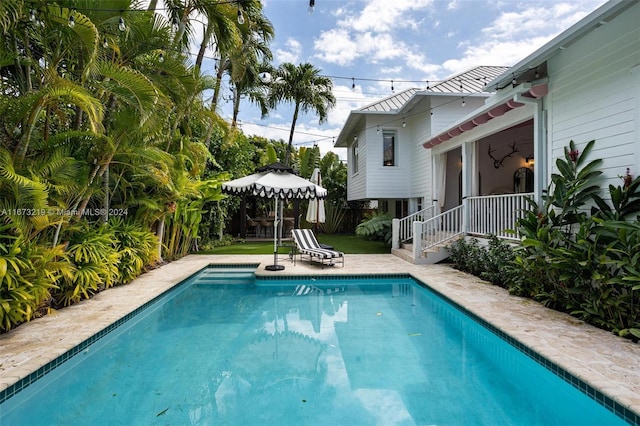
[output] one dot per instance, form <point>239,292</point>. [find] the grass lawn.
<point>349,244</point>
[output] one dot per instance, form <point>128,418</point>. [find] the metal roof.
<point>392,103</point>
<point>470,81</point>
<point>474,80</point>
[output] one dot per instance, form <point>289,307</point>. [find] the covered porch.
<point>485,176</point>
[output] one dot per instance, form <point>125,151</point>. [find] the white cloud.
<point>337,47</point>
<point>385,15</point>
<point>371,32</point>
<point>514,35</point>
<point>291,53</point>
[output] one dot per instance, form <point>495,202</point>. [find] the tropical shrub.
<point>333,218</point>
<point>376,227</point>
<point>27,274</point>
<point>92,250</point>
<point>578,255</point>
<point>493,263</point>
<point>136,247</point>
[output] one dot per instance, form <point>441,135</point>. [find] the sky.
<point>373,43</point>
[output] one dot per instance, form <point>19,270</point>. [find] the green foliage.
<point>581,263</point>
<point>137,248</point>
<point>91,250</point>
<point>376,227</point>
<point>25,279</point>
<point>493,263</point>
<point>333,218</point>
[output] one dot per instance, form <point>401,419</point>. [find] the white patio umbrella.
<point>278,182</point>
<point>315,212</point>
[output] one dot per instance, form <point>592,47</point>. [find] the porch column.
<point>469,180</point>
<point>540,168</point>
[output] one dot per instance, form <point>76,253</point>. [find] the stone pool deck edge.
<point>607,363</point>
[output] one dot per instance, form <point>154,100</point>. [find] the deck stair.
<point>434,254</point>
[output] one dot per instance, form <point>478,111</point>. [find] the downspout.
<point>540,148</point>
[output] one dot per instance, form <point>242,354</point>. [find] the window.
<point>388,148</point>
<point>354,158</point>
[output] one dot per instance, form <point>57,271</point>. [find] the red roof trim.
<point>534,92</point>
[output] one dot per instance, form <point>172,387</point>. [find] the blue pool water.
<point>225,349</point>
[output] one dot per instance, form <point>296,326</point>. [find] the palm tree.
<point>243,61</point>
<point>306,89</point>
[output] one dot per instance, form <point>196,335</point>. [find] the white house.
<point>582,85</point>
<point>386,161</point>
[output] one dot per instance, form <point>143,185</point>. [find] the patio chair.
<point>266,226</point>
<point>252,226</point>
<point>307,245</point>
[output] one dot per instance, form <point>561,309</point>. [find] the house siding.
<point>421,167</point>
<point>387,181</point>
<point>594,94</point>
<point>356,187</point>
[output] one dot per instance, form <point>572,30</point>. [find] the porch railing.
<point>441,228</point>
<point>405,225</point>
<point>496,214</point>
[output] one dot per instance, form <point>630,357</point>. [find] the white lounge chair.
<point>307,245</point>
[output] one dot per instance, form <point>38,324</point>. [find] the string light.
<point>312,4</point>
<point>32,15</point>
<point>175,24</point>
<point>161,57</point>
<point>378,131</point>
<point>240,16</point>
<point>392,90</point>
<point>105,43</point>
<point>72,21</point>
<point>121,24</point>
<point>353,83</point>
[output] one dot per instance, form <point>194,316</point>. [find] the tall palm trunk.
<point>293,129</point>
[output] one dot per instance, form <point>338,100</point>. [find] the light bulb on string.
<point>32,15</point>
<point>72,21</point>
<point>404,122</point>
<point>312,4</point>
<point>161,57</point>
<point>463,102</point>
<point>105,43</point>
<point>175,24</point>
<point>240,16</point>
<point>353,83</point>
<point>378,130</point>
<point>121,24</point>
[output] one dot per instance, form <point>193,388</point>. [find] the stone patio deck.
<point>606,362</point>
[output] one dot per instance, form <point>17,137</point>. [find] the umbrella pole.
<point>275,266</point>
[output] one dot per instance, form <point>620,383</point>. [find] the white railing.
<point>405,225</point>
<point>496,214</point>
<point>479,216</point>
<point>441,228</point>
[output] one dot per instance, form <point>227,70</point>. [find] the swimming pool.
<point>223,349</point>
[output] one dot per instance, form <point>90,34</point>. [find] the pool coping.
<point>604,366</point>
